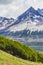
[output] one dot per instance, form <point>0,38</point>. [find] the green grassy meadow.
<point>7,59</point>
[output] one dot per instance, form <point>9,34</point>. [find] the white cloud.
<point>8,10</point>
<point>13,8</point>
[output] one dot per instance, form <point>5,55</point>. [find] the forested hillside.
<point>19,50</point>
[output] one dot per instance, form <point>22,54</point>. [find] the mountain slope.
<point>30,14</point>
<point>6,22</point>
<point>7,59</point>
<point>28,26</point>
<point>31,19</point>
<point>17,49</point>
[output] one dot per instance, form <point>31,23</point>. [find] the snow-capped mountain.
<point>32,14</point>
<point>30,21</point>
<point>5,22</point>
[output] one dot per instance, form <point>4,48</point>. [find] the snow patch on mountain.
<point>30,20</point>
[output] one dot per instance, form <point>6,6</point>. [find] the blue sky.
<point>13,8</point>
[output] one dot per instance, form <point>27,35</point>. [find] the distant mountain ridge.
<point>31,20</point>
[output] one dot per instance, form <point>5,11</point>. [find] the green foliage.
<point>17,49</point>
<point>8,59</point>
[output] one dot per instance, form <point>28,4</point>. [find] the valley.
<point>36,44</point>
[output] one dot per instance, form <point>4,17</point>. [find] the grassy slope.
<point>19,50</point>
<point>7,59</point>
